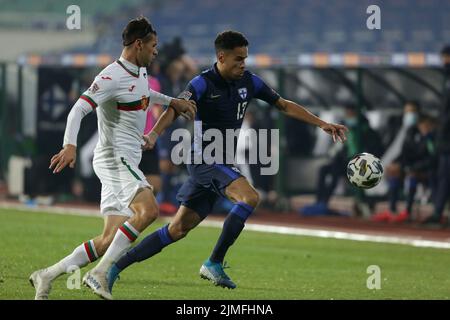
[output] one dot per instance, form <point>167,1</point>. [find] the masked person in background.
<point>442,193</point>
<point>391,157</point>
<point>361,138</point>
<point>414,165</point>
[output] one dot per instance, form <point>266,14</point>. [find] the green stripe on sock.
<point>92,249</point>
<point>88,252</point>
<point>129,230</point>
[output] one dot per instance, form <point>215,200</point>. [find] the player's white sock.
<point>123,239</point>
<point>80,257</point>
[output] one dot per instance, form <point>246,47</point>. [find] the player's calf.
<point>145,213</point>
<point>184,221</point>
<point>103,242</point>
<point>112,223</point>
<point>178,231</point>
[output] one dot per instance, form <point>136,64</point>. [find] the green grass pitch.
<point>264,266</point>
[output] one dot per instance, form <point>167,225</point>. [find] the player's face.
<point>233,62</point>
<point>148,51</point>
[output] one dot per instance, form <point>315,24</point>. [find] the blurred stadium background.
<point>318,53</point>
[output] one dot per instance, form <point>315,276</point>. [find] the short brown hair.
<point>138,28</point>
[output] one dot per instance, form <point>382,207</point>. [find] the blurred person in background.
<point>411,111</point>
<point>390,158</point>
<point>176,67</point>
<point>414,165</point>
<point>361,138</point>
<point>150,159</point>
<point>264,184</point>
<point>442,194</point>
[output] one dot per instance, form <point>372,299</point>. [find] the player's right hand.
<point>67,156</point>
<point>186,108</point>
<point>337,131</point>
<point>149,140</point>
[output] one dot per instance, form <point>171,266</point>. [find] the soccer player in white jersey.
<point>120,95</point>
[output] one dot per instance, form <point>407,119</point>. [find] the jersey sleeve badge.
<point>186,95</point>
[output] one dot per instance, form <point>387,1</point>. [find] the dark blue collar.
<point>219,77</point>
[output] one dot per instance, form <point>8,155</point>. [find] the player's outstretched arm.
<point>68,154</point>
<point>296,111</point>
<point>164,121</point>
<point>185,108</point>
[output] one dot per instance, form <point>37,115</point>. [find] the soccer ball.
<point>364,170</point>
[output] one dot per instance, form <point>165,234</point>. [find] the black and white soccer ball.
<point>364,170</point>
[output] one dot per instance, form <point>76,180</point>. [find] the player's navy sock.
<point>149,246</point>
<point>394,188</point>
<point>412,188</point>
<point>232,227</point>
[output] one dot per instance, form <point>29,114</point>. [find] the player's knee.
<point>251,198</point>
<point>178,231</point>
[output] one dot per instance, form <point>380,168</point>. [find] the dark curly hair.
<point>228,40</point>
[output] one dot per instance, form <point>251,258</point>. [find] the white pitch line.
<point>329,234</point>
<point>50,209</point>
<point>342,235</point>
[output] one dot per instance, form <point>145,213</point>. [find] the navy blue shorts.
<point>205,185</point>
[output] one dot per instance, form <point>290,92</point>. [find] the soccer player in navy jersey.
<point>222,94</point>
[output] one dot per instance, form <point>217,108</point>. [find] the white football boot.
<point>41,283</point>
<point>98,282</point>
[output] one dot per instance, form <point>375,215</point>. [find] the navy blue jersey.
<point>222,104</point>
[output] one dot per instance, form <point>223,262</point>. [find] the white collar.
<point>130,66</point>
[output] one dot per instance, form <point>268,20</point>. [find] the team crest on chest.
<point>242,93</point>
<point>144,102</point>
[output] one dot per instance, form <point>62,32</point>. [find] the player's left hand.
<point>149,140</point>
<point>337,131</point>
<point>67,156</point>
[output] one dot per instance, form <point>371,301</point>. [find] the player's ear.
<point>221,56</point>
<point>138,43</point>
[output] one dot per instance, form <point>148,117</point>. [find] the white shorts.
<point>121,179</point>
